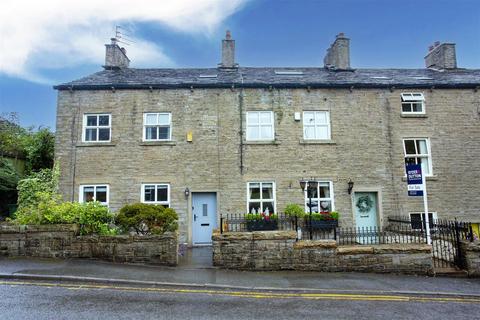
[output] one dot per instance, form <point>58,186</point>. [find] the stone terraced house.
<point>236,139</point>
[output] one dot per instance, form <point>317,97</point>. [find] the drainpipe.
<point>240,107</point>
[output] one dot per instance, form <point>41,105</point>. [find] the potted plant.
<point>322,220</point>
<point>261,221</point>
<point>294,210</point>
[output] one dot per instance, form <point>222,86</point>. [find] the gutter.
<point>269,85</point>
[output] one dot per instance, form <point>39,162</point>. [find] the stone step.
<point>450,272</point>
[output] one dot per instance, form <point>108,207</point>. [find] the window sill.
<point>428,178</point>
<point>95,144</point>
<point>260,142</point>
<point>303,141</point>
<point>406,115</point>
<point>158,143</point>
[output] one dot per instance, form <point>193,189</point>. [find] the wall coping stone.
<point>355,250</point>
<point>305,244</point>
<point>402,248</point>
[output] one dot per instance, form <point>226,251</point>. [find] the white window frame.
<point>142,193</point>
<point>411,98</point>
<point>145,126</point>
<point>259,126</point>
<point>97,127</point>
<point>94,186</point>
<point>422,215</point>
<point>261,200</point>
<point>428,155</point>
<point>315,125</point>
<point>318,199</point>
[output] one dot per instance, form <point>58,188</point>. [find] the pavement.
<point>195,270</point>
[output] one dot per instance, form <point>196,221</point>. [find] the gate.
<point>446,235</point>
<point>446,243</point>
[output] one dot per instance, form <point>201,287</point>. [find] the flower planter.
<point>262,225</point>
<point>321,224</point>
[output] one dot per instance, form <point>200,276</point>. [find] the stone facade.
<point>63,241</point>
<point>278,250</point>
<point>367,128</point>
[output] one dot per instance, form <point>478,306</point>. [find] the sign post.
<point>417,187</point>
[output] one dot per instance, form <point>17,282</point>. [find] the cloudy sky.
<point>46,42</point>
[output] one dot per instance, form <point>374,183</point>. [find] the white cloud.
<point>53,34</point>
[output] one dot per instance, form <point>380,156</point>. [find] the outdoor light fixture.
<point>350,186</point>
<point>303,182</point>
<point>187,192</point>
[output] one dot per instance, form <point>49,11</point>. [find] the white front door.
<point>204,220</point>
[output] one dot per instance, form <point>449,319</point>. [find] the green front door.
<point>366,216</point>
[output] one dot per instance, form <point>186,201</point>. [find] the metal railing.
<point>325,230</point>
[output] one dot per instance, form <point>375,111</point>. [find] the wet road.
<point>50,300</point>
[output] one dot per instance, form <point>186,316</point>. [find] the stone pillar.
<point>441,56</point>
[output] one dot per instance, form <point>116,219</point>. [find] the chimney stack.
<point>115,57</point>
<point>338,55</point>
<point>441,56</point>
<point>228,52</point>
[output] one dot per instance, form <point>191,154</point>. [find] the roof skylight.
<point>288,72</point>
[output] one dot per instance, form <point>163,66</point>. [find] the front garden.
<point>39,203</point>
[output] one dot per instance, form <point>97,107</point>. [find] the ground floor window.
<point>261,197</point>
<point>321,194</point>
<point>156,193</point>
<point>97,192</point>
<point>416,219</point>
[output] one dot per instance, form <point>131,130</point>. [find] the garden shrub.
<point>39,203</point>
<point>92,217</point>
<point>294,210</point>
<point>145,218</point>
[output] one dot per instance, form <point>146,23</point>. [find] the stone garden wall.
<point>64,241</point>
<point>278,250</point>
<point>472,257</point>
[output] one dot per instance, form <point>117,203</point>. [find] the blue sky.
<point>384,34</point>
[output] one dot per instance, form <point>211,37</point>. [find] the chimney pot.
<point>228,35</point>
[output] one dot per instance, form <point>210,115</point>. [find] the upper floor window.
<point>321,194</point>
<point>316,125</point>
<point>96,127</point>
<point>156,194</point>
<point>413,103</point>
<point>157,126</point>
<point>260,125</point>
<point>96,192</point>
<point>261,197</point>
<point>417,151</point>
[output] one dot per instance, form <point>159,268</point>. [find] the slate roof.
<point>249,77</point>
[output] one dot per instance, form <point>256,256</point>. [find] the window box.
<point>262,225</point>
<point>321,224</point>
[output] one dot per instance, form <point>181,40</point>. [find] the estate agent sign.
<point>417,187</point>
<point>414,180</point>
